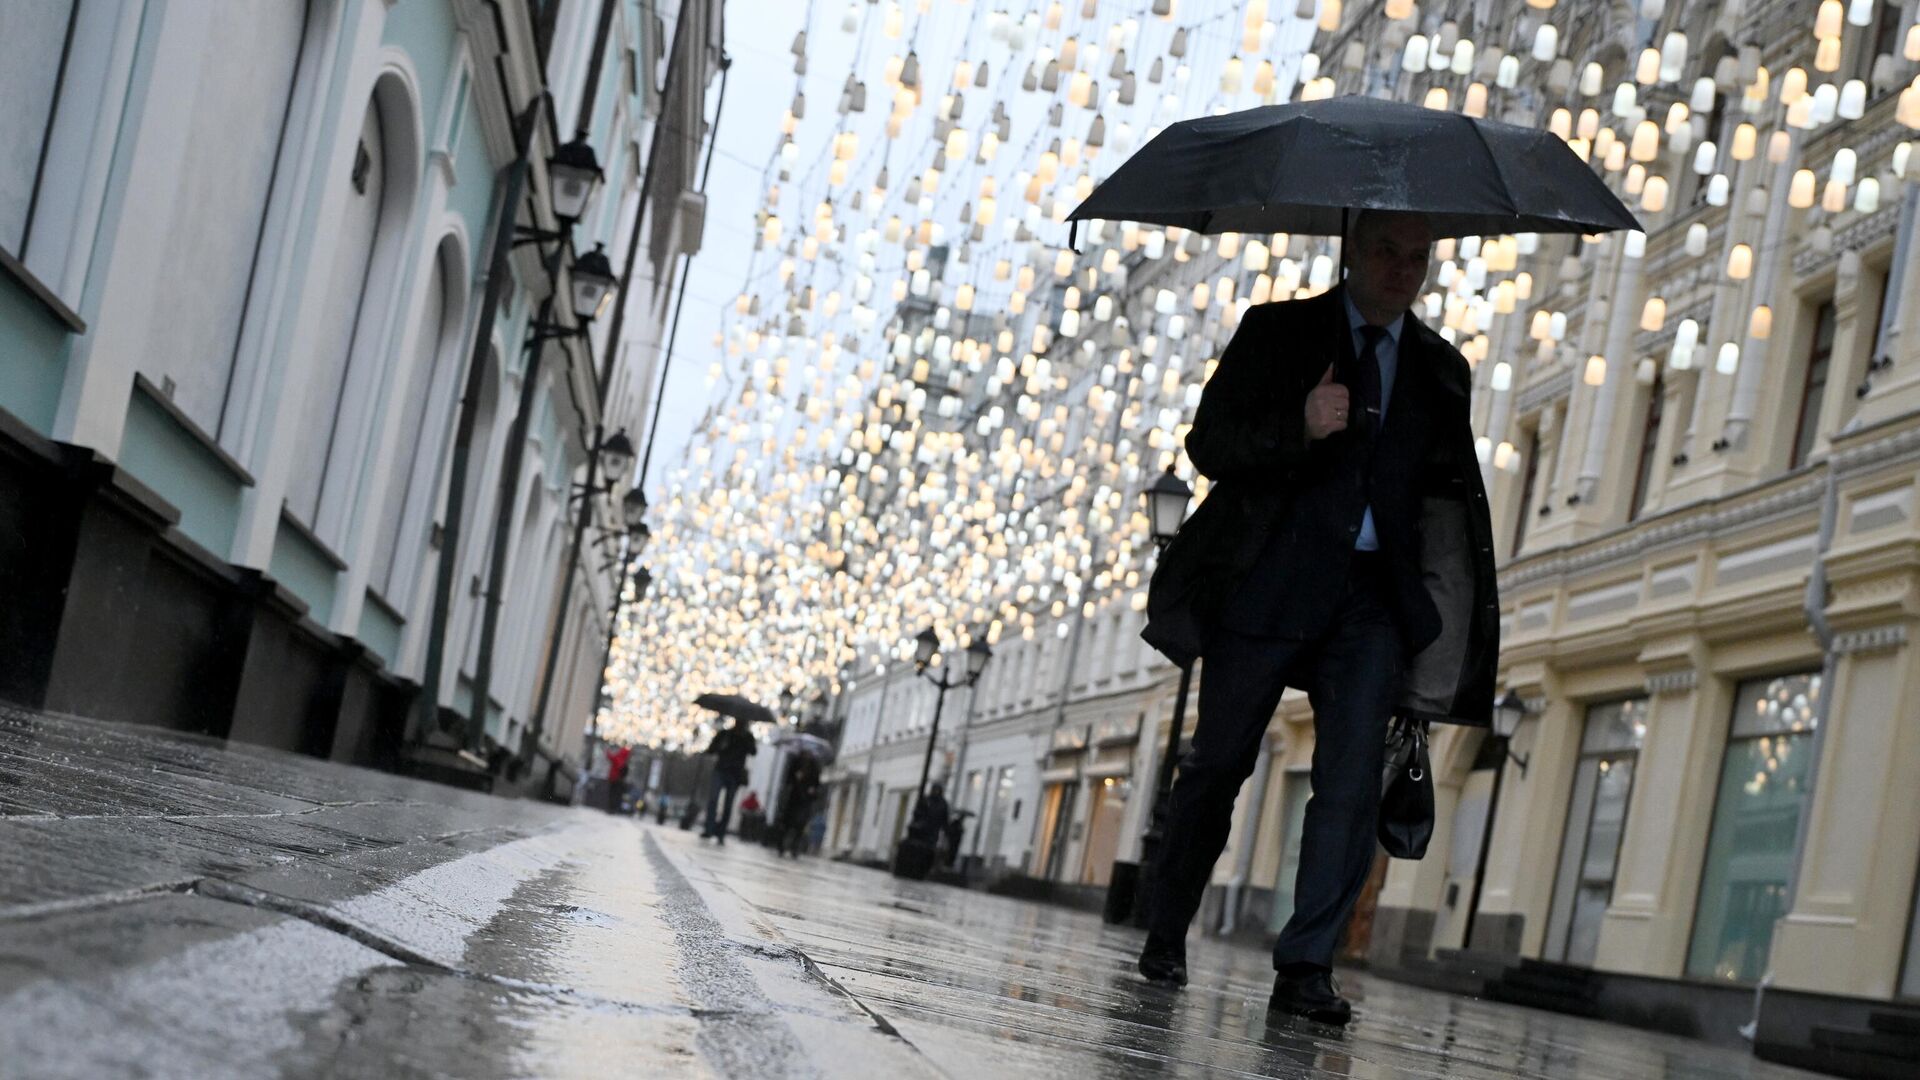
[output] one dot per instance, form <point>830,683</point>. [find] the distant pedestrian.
<point>753,817</point>
<point>797,797</point>
<point>956,831</point>
<point>930,816</point>
<point>617,777</point>
<point>731,747</point>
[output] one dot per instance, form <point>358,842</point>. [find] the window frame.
<point>1727,741</point>
<point>1650,423</point>
<point>1581,756</point>
<point>1819,357</point>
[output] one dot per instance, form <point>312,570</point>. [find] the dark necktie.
<point>1365,386</point>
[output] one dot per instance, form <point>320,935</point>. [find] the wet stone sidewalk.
<point>175,907</point>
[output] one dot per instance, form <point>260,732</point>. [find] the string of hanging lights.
<point>929,412</point>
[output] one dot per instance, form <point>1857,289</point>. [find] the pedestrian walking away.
<point>731,747</point>
<point>1345,550</point>
<point>797,798</point>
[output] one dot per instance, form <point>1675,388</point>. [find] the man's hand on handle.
<point>1326,407</point>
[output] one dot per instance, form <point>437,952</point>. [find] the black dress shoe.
<point>1310,995</point>
<point>1164,964</point>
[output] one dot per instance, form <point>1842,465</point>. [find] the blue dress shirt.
<point>1387,352</point>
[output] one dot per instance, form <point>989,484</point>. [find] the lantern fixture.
<point>978,654</point>
<point>574,174</point>
<point>616,454</point>
<point>925,646</point>
<point>1508,711</point>
<point>633,508</point>
<point>1167,499</point>
<point>593,283</point>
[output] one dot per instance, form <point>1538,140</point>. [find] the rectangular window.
<point>1596,821</point>
<point>1814,385</point>
<point>1756,817</point>
<point>1649,438</point>
<point>1531,478</point>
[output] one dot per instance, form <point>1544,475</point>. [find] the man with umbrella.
<point>1346,546</point>
<point>731,746</point>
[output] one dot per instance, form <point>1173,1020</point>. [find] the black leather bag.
<point>1406,791</point>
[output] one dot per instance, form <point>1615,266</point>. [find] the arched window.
<point>395,547</point>
<point>344,323</point>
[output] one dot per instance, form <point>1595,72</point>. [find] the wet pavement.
<point>171,906</point>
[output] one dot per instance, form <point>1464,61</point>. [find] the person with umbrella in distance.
<point>1346,547</point>
<point>731,747</point>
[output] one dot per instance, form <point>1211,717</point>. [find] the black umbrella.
<point>1300,168</point>
<point>734,705</point>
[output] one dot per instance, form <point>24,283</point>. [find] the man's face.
<point>1389,261</point>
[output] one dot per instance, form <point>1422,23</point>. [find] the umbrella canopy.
<point>1300,168</point>
<point>801,742</point>
<point>749,712</point>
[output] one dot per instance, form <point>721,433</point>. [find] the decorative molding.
<point>1672,682</point>
<point>1538,393</point>
<point>1853,237</point>
<point>1891,636</point>
<point>1794,497</point>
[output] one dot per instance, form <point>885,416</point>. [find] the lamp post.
<point>1508,711</point>
<point>1166,500</point>
<point>914,858</point>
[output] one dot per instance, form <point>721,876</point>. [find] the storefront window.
<point>1596,820</point>
<point>1763,790</point>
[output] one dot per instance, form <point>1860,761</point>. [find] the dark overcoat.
<point>1269,501</point>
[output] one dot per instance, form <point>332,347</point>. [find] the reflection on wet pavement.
<point>990,986</point>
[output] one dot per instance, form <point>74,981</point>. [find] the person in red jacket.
<point>617,776</point>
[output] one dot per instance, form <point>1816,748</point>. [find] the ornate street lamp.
<point>633,510</point>
<point>574,173</point>
<point>1509,709</point>
<point>914,857</point>
<point>616,454</point>
<point>1166,498</point>
<point>593,283</point>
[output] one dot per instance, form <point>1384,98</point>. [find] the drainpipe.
<point>1249,829</point>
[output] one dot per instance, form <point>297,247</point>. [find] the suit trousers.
<point>1352,673</point>
<point>720,802</point>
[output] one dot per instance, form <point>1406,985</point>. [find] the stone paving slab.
<point>219,911</point>
<point>171,906</point>
<point>987,985</point>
